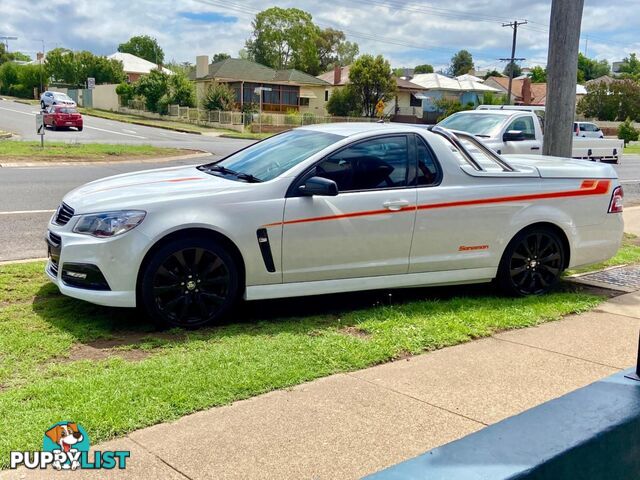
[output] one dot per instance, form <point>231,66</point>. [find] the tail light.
<point>615,206</point>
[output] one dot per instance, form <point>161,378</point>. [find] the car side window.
<point>368,165</point>
<point>524,125</point>
<point>428,171</point>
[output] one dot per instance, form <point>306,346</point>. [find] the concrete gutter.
<point>4,135</point>
<point>104,162</point>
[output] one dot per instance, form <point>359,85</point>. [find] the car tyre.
<point>42,105</point>
<point>189,283</point>
<point>79,129</point>
<point>532,263</point>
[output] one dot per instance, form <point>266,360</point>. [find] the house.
<point>468,76</point>
<point>523,92</point>
<point>281,90</point>
<point>405,106</point>
<point>134,66</point>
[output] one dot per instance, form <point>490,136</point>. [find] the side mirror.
<point>513,136</point>
<point>319,186</point>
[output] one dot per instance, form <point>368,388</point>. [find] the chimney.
<point>39,56</point>
<point>526,91</point>
<point>202,66</point>
<point>337,74</point>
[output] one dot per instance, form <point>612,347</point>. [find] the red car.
<point>61,116</point>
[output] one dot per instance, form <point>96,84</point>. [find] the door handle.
<point>535,148</point>
<point>395,205</point>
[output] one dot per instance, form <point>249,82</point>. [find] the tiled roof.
<point>329,76</point>
<point>248,71</point>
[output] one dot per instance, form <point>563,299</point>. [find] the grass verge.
<point>632,149</point>
<point>628,253</point>
<point>66,359</point>
<point>56,151</point>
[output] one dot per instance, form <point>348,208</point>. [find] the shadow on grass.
<point>106,328</point>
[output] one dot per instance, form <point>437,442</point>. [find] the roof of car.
<point>355,128</point>
<point>494,112</point>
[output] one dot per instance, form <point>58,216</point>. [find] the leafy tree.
<point>343,102</point>
<point>371,80</point>
<point>152,87</point>
<point>12,56</point>
<point>449,106</point>
<point>21,57</point>
<point>491,98</point>
<point>219,96</point>
<point>218,57</point>
<point>538,74</point>
<point>181,90</point>
<point>588,68</point>
<point>492,73</point>
<point>424,68</point>
<point>630,65</point>
<point>616,101</point>
<point>143,46</point>
<point>19,80</point>
<point>461,63</point>
<point>334,49</point>
<point>126,93</point>
<point>517,70</point>
<point>285,38</point>
<point>627,132</point>
<point>73,68</point>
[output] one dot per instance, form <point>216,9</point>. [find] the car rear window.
<point>66,110</point>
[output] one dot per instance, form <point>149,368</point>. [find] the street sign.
<point>40,127</point>
<point>91,83</point>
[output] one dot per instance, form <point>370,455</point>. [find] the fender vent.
<point>265,249</point>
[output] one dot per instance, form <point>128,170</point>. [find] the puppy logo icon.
<point>68,439</point>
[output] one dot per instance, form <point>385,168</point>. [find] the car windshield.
<point>272,157</point>
<point>61,96</point>
<point>481,124</point>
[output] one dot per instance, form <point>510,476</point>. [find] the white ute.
<point>331,208</point>
<point>518,130</point>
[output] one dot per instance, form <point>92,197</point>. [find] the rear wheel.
<point>189,283</point>
<point>532,262</point>
<point>80,128</point>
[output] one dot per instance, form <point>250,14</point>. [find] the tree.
<point>627,132</point>
<point>334,49</point>
<point>538,74</point>
<point>126,93</point>
<point>492,73</point>
<point>630,66</point>
<point>449,106</point>
<point>517,71</point>
<point>73,68</point>
<point>143,46</point>
<point>589,69</point>
<point>152,87</point>
<point>461,63</point>
<point>12,56</point>
<point>343,102</point>
<point>219,97</point>
<point>371,80</point>
<point>218,57</point>
<point>424,68</point>
<point>616,101</point>
<point>285,38</point>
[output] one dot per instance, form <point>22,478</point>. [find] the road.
<point>28,196</point>
<point>19,119</point>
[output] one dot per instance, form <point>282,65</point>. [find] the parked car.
<point>587,130</point>
<point>331,208</point>
<point>519,130</point>
<point>55,98</point>
<point>62,116</point>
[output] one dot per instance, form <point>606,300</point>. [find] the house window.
<point>414,102</point>
<point>304,102</point>
<point>326,95</point>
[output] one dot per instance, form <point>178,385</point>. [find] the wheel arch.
<point>214,235</point>
<point>566,245</point>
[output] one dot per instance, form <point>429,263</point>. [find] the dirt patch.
<point>87,352</point>
<point>355,332</point>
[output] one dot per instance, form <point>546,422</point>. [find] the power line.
<point>513,58</point>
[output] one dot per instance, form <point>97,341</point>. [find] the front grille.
<point>56,240</point>
<point>53,268</point>
<point>64,214</point>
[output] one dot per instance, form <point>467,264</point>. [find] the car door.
<point>48,116</point>
<point>530,145</point>
<point>363,231</point>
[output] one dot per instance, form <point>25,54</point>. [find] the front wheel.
<point>42,105</point>
<point>189,283</point>
<point>532,263</point>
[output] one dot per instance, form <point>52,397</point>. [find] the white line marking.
<point>17,111</point>
<point>129,131</point>
<point>112,131</point>
<point>26,212</point>
<point>629,181</point>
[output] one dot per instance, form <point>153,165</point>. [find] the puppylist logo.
<point>66,447</point>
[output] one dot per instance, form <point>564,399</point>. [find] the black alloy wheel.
<point>532,263</point>
<point>189,284</point>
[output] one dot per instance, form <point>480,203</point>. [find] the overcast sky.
<point>405,32</point>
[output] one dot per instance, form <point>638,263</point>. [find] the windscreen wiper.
<point>247,177</point>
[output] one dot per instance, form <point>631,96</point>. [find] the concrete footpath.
<point>349,425</point>
<point>632,220</point>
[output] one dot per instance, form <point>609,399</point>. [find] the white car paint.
<point>49,98</point>
<point>525,119</point>
<point>587,130</point>
<point>451,232</point>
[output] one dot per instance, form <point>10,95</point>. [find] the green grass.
<point>633,149</point>
<point>247,135</point>
<point>629,253</point>
<point>266,346</point>
<point>52,151</point>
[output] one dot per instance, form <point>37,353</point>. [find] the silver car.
<point>587,130</point>
<point>55,98</point>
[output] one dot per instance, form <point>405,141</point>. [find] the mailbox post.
<point>40,128</point>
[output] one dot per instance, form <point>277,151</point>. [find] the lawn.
<point>634,149</point>
<point>17,151</point>
<point>109,370</point>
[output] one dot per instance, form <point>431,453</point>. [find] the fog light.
<point>84,275</point>
<point>81,276</point>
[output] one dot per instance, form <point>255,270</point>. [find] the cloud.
<point>405,32</point>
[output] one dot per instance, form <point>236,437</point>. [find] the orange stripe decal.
<point>587,188</point>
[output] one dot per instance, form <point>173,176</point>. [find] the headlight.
<point>109,224</point>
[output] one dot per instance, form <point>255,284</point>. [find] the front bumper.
<point>117,259</point>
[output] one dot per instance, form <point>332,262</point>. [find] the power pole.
<point>562,70</point>
<point>513,58</point>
